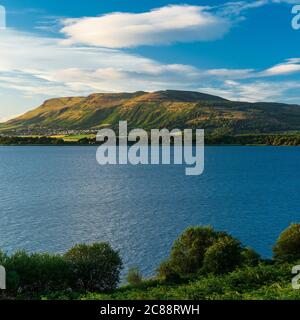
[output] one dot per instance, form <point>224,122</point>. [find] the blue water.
<point>54,197</point>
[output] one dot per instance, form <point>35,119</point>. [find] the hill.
<point>161,109</point>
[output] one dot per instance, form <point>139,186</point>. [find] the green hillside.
<point>168,109</point>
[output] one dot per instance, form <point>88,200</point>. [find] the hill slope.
<point>168,109</point>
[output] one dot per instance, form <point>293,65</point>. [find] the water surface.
<point>54,197</point>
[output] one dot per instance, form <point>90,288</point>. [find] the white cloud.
<point>237,7</point>
<point>33,68</point>
<point>286,1</point>
<point>42,66</point>
<point>166,25</point>
<point>161,26</point>
<point>288,67</point>
<point>283,69</point>
<point>253,91</point>
<point>231,73</point>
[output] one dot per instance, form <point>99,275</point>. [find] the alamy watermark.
<point>296,18</point>
<point>138,147</point>
<point>2,278</point>
<point>296,278</point>
<point>2,17</point>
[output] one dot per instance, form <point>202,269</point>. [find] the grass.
<point>262,282</point>
<point>258,283</point>
<point>74,138</point>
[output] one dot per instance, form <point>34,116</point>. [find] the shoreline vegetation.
<point>288,139</point>
<point>204,264</point>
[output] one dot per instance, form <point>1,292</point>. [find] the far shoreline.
<point>246,139</point>
<point>97,145</point>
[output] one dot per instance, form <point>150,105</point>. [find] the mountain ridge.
<point>161,109</point>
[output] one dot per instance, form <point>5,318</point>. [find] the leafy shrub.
<point>89,267</point>
<point>188,251</point>
<point>94,267</point>
<point>134,277</point>
<point>204,288</point>
<point>166,272</point>
<point>35,273</point>
<point>3,257</point>
<point>223,256</point>
<point>287,246</point>
<point>200,250</point>
<point>249,278</point>
<point>250,257</point>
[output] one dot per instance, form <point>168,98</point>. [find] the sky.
<point>240,50</point>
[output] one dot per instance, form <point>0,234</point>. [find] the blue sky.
<point>241,50</point>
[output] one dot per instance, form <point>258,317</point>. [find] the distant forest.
<point>250,139</point>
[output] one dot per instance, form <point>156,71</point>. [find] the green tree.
<point>95,267</point>
<point>250,257</point>
<point>36,273</point>
<point>223,256</point>
<point>188,251</point>
<point>287,246</point>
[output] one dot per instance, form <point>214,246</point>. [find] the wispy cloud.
<point>253,91</point>
<point>231,73</point>
<point>238,7</point>
<point>45,67</point>
<point>288,67</point>
<point>285,1</point>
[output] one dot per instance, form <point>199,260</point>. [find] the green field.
<point>74,138</point>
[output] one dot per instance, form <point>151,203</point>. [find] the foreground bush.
<point>188,251</point>
<point>33,273</point>
<point>94,267</point>
<point>223,256</point>
<point>287,246</point>
<point>134,277</point>
<point>84,267</point>
<point>250,257</point>
<point>202,249</point>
